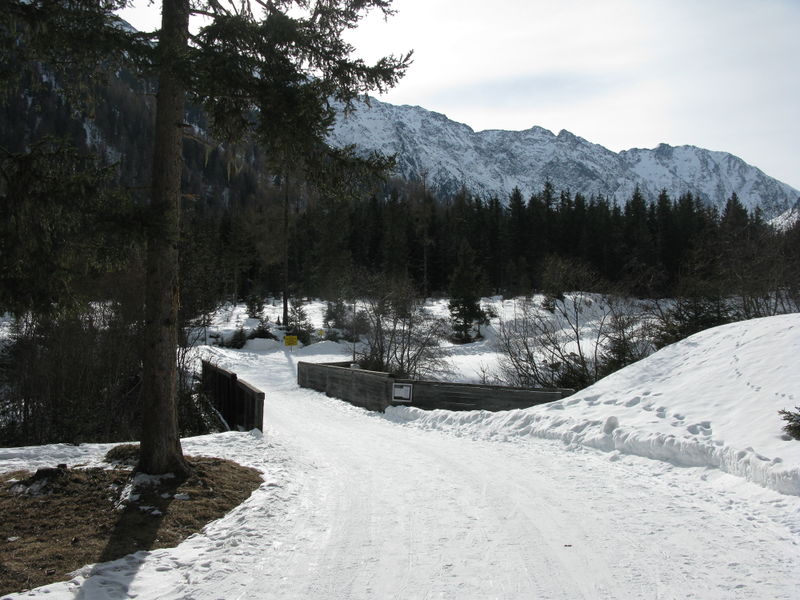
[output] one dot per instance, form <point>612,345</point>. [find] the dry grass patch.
<point>58,520</point>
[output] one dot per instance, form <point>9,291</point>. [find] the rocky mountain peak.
<point>451,155</point>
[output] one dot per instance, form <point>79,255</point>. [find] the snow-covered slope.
<point>711,400</point>
<point>449,155</point>
<point>786,219</point>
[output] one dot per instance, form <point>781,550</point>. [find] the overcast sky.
<point>719,74</point>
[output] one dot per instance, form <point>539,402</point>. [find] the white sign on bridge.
<point>401,392</point>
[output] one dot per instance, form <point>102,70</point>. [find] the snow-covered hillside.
<point>711,401</point>
<point>786,219</point>
<point>644,488</point>
<point>449,155</point>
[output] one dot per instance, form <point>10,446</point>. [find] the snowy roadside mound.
<point>246,448</point>
<point>711,400</point>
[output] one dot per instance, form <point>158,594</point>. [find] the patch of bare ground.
<point>57,520</point>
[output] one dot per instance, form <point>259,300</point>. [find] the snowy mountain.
<point>449,155</point>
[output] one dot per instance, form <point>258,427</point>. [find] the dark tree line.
<point>654,248</point>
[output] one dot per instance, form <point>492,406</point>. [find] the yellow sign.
<point>290,340</point>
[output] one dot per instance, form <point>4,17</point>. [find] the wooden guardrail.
<point>368,389</point>
<point>240,404</point>
<point>377,390</point>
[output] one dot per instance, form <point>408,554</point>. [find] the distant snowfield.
<point>560,501</point>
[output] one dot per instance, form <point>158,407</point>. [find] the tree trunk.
<point>160,444</point>
<point>286,251</point>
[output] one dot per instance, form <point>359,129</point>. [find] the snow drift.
<point>711,400</point>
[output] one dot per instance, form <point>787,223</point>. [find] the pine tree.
<point>268,75</point>
<point>792,419</point>
<point>519,241</point>
<point>497,244</point>
<point>61,216</point>
<point>465,286</point>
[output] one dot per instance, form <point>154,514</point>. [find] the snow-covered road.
<point>393,511</point>
<point>359,505</point>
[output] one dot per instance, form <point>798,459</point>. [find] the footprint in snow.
<point>701,428</point>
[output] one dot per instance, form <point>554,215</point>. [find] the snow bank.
<point>711,400</point>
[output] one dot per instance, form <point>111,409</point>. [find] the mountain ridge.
<point>449,155</point>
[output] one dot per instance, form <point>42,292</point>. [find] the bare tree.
<point>629,334</point>
<point>555,343</point>
<point>571,338</point>
<point>403,335</point>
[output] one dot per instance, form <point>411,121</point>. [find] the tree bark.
<point>286,251</point>
<point>160,450</point>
